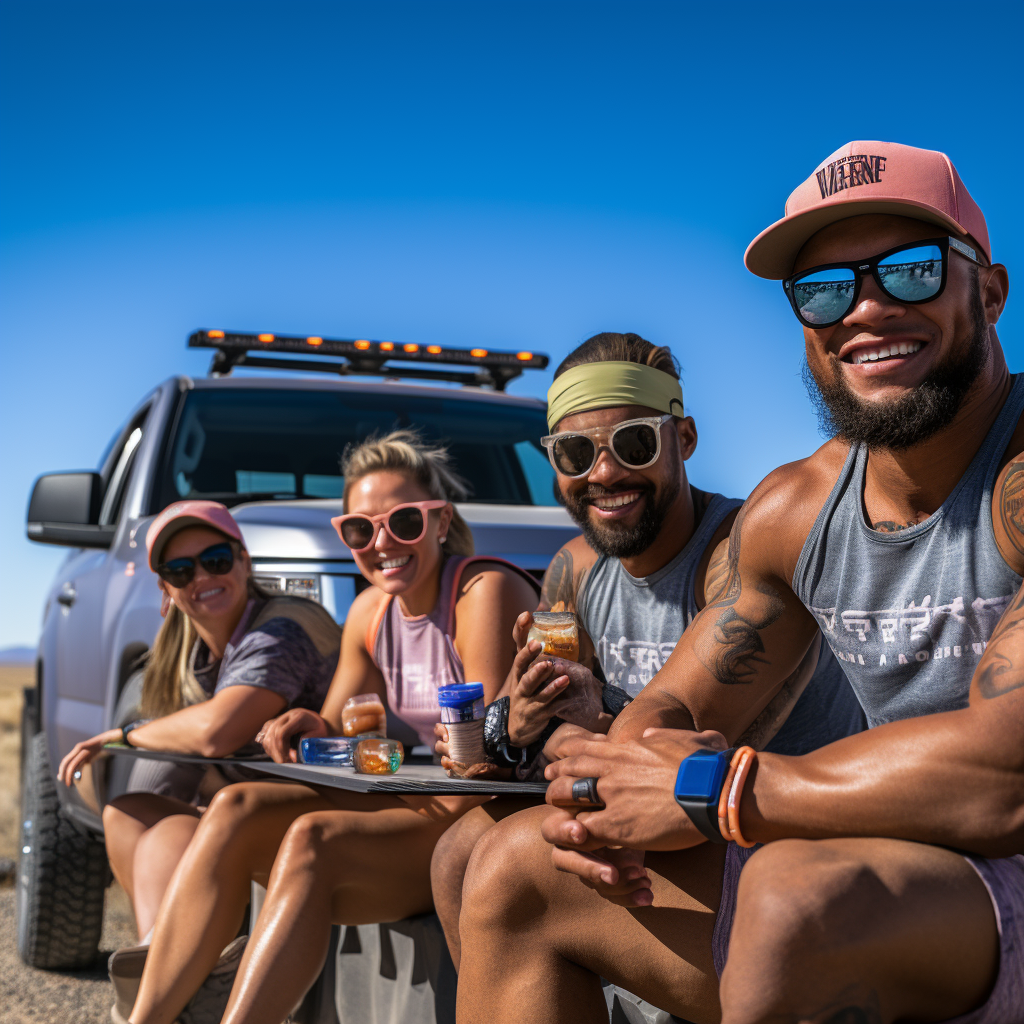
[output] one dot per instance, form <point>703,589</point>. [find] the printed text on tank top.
<point>909,613</point>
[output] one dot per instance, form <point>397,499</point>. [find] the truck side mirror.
<point>65,509</point>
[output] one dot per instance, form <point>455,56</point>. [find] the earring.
<point>441,540</point>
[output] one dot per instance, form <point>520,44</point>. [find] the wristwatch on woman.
<point>130,727</point>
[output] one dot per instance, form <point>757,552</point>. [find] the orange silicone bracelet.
<point>723,800</point>
<point>747,758</point>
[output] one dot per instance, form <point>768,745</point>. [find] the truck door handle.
<point>67,595</point>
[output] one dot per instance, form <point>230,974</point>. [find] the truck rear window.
<point>258,445</point>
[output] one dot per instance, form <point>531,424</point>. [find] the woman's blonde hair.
<point>405,452</point>
<point>168,682</point>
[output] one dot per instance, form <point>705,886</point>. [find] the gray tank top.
<point>635,623</point>
<point>908,614</point>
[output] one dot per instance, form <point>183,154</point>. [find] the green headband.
<point>600,385</point>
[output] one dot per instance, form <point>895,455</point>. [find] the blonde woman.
<point>432,615</point>
<point>228,656</point>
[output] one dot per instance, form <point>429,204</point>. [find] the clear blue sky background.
<point>504,173</point>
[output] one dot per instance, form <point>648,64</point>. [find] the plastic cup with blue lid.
<point>462,712</point>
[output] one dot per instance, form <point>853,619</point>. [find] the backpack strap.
<point>460,569</point>
<point>374,627</point>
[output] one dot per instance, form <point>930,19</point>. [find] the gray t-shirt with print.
<point>635,623</point>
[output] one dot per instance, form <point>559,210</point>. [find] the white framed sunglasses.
<point>634,444</point>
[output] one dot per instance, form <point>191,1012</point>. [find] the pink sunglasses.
<point>406,523</point>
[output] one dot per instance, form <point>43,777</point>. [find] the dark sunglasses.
<point>910,274</point>
<point>634,444</point>
<point>216,560</point>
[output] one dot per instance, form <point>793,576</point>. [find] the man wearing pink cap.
<point>890,882</point>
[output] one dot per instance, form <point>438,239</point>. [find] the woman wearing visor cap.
<point>228,656</point>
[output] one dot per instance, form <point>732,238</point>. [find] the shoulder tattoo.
<point>1011,506</point>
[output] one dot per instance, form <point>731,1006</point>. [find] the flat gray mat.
<point>424,779</point>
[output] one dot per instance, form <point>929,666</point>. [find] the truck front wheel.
<point>62,875</point>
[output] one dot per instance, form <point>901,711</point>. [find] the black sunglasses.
<point>217,560</point>
<point>910,274</point>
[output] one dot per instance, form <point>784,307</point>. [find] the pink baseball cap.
<point>868,177</point>
<point>182,514</point>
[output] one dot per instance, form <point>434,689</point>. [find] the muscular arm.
<point>953,779</point>
<point>746,656</point>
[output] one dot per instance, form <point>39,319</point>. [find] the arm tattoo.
<point>559,589</point>
<point>1001,669</point>
<point>737,647</point>
<point>1011,506</point>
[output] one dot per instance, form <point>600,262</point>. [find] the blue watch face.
<point>700,777</point>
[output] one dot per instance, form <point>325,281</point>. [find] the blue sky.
<point>510,174</point>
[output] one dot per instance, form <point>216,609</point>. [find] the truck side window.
<point>120,474</point>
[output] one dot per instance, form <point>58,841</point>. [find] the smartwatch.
<point>698,788</point>
<point>131,727</point>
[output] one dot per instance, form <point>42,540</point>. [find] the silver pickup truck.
<point>269,448</point>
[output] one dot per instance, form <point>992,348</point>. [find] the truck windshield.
<point>263,444</point>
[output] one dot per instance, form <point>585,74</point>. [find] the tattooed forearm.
<point>1011,506</point>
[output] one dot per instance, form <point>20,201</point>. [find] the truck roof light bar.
<point>490,368</point>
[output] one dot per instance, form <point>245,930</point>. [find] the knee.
<point>504,880</point>
<point>230,810</point>
<point>450,860</point>
<point>304,846</point>
<point>802,898</point>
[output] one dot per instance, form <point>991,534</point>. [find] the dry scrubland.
<point>28,996</point>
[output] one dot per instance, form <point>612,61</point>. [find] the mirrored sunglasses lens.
<point>573,454</point>
<point>357,533</point>
<point>912,275</point>
<point>177,572</point>
<point>217,560</point>
<point>406,524</point>
<point>636,445</point>
<point>824,296</point>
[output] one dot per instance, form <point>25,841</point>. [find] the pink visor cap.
<point>182,514</point>
<point>868,177</point>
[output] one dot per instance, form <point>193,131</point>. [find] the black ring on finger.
<point>584,791</point>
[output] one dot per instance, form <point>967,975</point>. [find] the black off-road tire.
<point>62,875</point>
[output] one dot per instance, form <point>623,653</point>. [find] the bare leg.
<point>146,835</point>
<point>536,942</point>
<point>451,859</point>
<point>859,931</point>
<point>236,842</point>
<point>365,863</point>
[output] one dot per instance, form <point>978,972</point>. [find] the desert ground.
<point>28,996</point>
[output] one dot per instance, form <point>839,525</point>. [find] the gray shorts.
<point>1004,879</point>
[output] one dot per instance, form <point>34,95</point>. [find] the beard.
<point>915,416</point>
<point>615,540</point>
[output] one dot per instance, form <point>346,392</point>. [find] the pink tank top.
<point>417,655</point>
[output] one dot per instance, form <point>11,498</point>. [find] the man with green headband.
<point>651,556</point>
